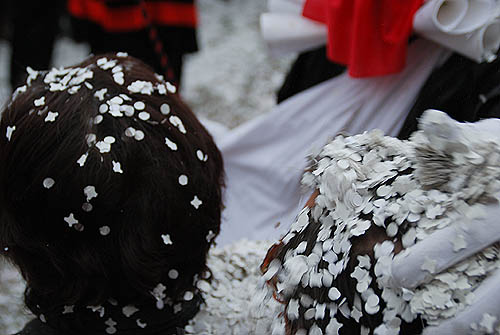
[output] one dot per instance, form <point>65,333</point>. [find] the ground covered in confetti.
<point>231,80</point>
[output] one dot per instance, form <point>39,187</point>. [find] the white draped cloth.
<point>264,159</point>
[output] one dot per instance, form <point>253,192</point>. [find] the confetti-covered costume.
<point>378,195</point>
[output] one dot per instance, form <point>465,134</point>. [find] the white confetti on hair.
<point>83,158</point>
<point>166,239</point>
<point>129,310</point>
<point>183,180</point>
<point>39,102</point>
<point>90,192</point>
<point>10,131</point>
<point>99,94</point>
<point>170,144</point>
<point>48,182</point>
<point>71,220</point>
<point>139,135</point>
<point>165,109</point>
<point>130,132</point>
<point>51,116</point>
<point>196,202</point>
<point>121,54</point>
<point>139,105</point>
<point>177,122</point>
<point>173,274</point>
<point>104,230</point>
<point>117,167</point>
<point>144,116</point>
<point>171,88</point>
<point>103,147</point>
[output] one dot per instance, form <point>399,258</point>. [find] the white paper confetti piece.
<point>71,220</point>
<point>10,131</point>
<point>196,202</point>
<point>144,116</point>
<point>139,135</point>
<point>83,158</point>
<point>200,155</point>
<point>170,144</point>
<point>171,88</point>
<point>183,180</point>
<point>141,324</point>
<point>103,147</point>
<point>333,293</point>
<point>117,167</point>
<point>104,230</point>
<point>103,108</point>
<point>177,122</point>
<point>39,102</point>
<point>51,116</point>
<point>98,119</point>
<point>99,94</point>
<point>109,139</point>
<point>130,132</point>
<point>139,105</point>
<point>129,310</point>
<point>87,207</point>
<point>161,89</point>
<point>166,239</point>
<point>48,183</point>
<point>173,274</point>
<point>90,192</point>
<point>68,309</point>
<point>165,109</point>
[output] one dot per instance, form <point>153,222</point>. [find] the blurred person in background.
<point>159,33</point>
<point>32,28</point>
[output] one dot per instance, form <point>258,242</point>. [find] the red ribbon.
<point>369,36</point>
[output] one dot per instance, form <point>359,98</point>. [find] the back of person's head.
<point>109,186</point>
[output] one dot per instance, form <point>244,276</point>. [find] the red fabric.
<point>369,36</point>
<point>130,18</point>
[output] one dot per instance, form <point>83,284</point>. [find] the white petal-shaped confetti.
<point>117,167</point>
<point>104,230</point>
<point>173,274</point>
<point>177,122</point>
<point>139,105</point>
<point>71,220</point>
<point>170,144</point>
<point>103,147</point>
<point>48,183</point>
<point>109,139</point>
<point>83,158</point>
<point>51,116</point>
<point>139,135</point>
<point>183,180</point>
<point>129,310</point>
<point>144,116</point>
<point>196,202</point>
<point>90,192</point>
<point>39,102</point>
<point>166,239</point>
<point>10,131</point>
<point>165,109</point>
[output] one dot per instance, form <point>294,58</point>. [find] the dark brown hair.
<point>63,265</point>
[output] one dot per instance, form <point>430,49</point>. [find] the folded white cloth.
<point>469,27</point>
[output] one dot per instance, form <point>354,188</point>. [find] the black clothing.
<point>463,89</point>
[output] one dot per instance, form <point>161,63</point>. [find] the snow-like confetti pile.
<point>233,301</point>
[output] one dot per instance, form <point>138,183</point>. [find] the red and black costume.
<point>146,29</point>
